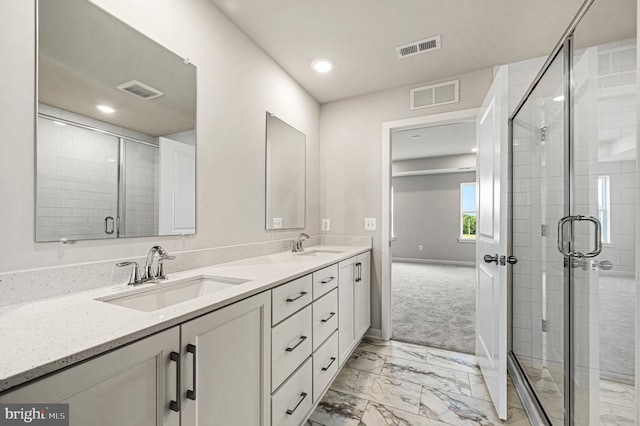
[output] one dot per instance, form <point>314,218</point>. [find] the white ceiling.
<point>84,53</point>
<point>434,141</point>
<point>360,36</point>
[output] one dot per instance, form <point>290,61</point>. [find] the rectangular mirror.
<point>285,175</point>
<point>116,139</point>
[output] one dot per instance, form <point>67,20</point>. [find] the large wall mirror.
<point>285,175</point>
<point>116,139</point>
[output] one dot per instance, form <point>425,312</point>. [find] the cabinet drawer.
<point>325,365</point>
<point>325,317</point>
<point>290,346</point>
<point>291,404</point>
<point>290,297</point>
<point>325,280</point>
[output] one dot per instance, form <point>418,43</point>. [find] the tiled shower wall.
<point>77,180</point>
<point>141,191</point>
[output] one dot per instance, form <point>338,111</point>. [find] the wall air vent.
<point>435,94</point>
<point>140,90</point>
<point>418,47</point>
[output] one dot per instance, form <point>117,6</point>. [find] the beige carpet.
<point>434,305</point>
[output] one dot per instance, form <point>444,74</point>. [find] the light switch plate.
<point>277,223</point>
<point>326,224</point>
<point>369,223</point>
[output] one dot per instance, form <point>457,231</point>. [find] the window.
<point>468,211</point>
<point>604,207</point>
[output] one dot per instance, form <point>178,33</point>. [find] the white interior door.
<point>491,322</point>
<point>177,188</point>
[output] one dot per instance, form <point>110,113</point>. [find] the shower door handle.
<point>597,236</point>
<point>109,225</point>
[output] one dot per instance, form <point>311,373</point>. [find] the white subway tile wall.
<point>77,182</point>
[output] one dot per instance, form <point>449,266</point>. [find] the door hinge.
<point>543,230</point>
<point>543,133</point>
<point>544,325</point>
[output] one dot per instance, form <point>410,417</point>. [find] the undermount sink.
<point>317,252</point>
<point>173,293</point>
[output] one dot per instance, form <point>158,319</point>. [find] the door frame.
<point>387,127</point>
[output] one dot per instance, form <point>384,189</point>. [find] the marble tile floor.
<point>397,383</point>
<point>616,401</point>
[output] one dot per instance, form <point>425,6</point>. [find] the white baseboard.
<point>433,261</point>
<point>374,333</point>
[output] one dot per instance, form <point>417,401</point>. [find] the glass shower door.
<point>603,178</point>
<point>574,224</point>
<point>538,203</point>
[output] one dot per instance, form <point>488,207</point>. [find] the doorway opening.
<point>433,206</point>
<point>392,131</point>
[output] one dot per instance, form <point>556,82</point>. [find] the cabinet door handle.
<point>358,272</point>
<point>175,405</point>
<point>293,299</point>
<point>328,280</point>
<point>333,358</point>
<point>191,393</point>
<point>303,395</point>
<point>328,318</point>
<point>292,348</point>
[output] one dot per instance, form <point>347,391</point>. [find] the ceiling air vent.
<point>140,90</point>
<point>435,94</point>
<point>418,47</point>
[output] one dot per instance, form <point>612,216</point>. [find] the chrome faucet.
<point>148,273</point>
<point>296,247</point>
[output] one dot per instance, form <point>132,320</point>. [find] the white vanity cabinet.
<point>226,365</point>
<point>224,375</point>
<point>133,385</point>
<point>264,360</point>
<point>354,311</point>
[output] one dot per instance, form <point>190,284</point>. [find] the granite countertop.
<point>44,336</point>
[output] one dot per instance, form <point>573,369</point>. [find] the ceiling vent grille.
<point>418,47</point>
<point>435,94</point>
<point>140,90</point>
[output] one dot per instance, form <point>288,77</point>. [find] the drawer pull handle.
<point>328,318</point>
<point>191,393</point>
<point>302,339</point>
<point>303,395</point>
<point>333,358</point>
<point>328,280</point>
<point>302,293</point>
<point>175,405</point>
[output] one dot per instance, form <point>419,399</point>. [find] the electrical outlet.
<point>277,223</point>
<point>420,247</point>
<point>326,224</point>
<point>369,223</point>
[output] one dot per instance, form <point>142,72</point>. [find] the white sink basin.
<point>317,252</point>
<point>173,293</point>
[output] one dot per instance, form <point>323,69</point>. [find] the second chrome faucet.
<point>149,273</point>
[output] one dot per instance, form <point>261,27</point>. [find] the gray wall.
<point>237,84</point>
<point>427,212</point>
<point>351,158</point>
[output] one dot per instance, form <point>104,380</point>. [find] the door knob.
<point>488,258</point>
<point>512,260</point>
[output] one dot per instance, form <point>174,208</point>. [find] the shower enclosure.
<point>573,211</point>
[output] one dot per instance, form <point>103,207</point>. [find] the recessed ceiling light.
<point>559,98</point>
<point>106,109</point>
<point>474,149</point>
<point>322,65</point>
